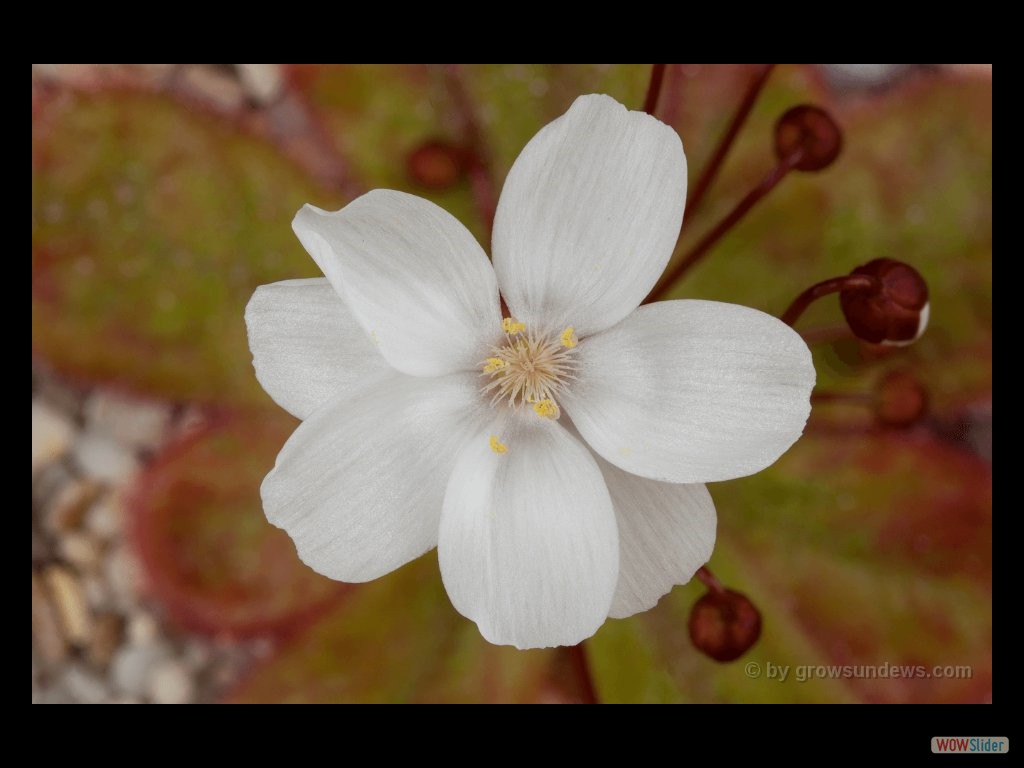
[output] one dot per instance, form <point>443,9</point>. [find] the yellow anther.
<point>497,446</point>
<point>547,408</point>
<point>568,338</point>
<point>494,364</point>
<point>508,325</point>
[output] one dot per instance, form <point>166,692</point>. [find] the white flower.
<point>554,458</point>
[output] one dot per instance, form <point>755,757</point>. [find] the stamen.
<point>530,369</point>
<point>497,446</point>
<point>510,326</point>
<point>547,408</point>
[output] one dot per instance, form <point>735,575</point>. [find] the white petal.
<point>589,215</point>
<point>307,348</point>
<point>413,276</point>
<point>359,485</point>
<point>922,326</point>
<point>666,532</point>
<point>692,391</point>
<point>529,546</point>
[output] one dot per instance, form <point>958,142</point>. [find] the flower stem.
<point>827,335</point>
<point>654,88</point>
<point>766,185</point>
<point>709,580</point>
<point>711,170</point>
<point>481,177</point>
<point>824,288</point>
<point>830,396</point>
<point>581,669</point>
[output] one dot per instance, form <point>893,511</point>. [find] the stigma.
<point>530,369</point>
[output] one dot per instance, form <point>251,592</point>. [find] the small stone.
<point>47,482</point>
<point>143,629</point>
<point>84,686</point>
<point>124,575</point>
<point>66,507</point>
<point>71,605</point>
<point>103,520</point>
<point>133,665</point>
<point>136,423</point>
<point>79,550</point>
<point>101,458</point>
<point>262,82</point>
<point>108,631</point>
<point>97,591</point>
<point>171,684</point>
<point>59,395</point>
<point>214,84</point>
<point>46,630</point>
<point>197,654</point>
<point>52,694</point>
<point>51,435</point>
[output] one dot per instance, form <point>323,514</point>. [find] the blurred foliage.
<point>153,221</point>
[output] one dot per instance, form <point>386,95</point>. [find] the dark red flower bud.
<point>893,310</point>
<point>724,624</point>
<point>809,133</point>
<point>436,164</point>
<point>902,400</point>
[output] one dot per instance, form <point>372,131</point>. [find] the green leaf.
<point>210,555</point>
<point>152,223</point>
<point>863,551</point>
<point>398,639</point>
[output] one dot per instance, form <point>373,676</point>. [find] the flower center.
<point>530,369</point>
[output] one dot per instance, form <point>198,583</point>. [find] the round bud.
<point>902,400</point>
<point>436,164</point>
<point>894,310</point>
<point>724,624</point>
<point>809,133</point>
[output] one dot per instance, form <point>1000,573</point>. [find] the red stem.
<point>654,88</point>
<point>826,335</point>
<point>824,288</point>
<point>709,580</point>
<point>481,179</point>
<point>828,396</point>
<point>581,670</point>
<point>766,185</point>
<point>711,171</point>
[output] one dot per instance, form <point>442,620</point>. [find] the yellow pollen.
<point>494,364</point>
<point>508,325</point>
<point>497,446</point>
<point>568,338</point>
<point>547,408</point>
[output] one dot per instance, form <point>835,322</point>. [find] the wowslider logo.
<point>971,744</point>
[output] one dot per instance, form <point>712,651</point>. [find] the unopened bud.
<point>436,164</point>
<point>902,400</point>
<point>809,134</point>
<point>893,310</point>
<point>724,624</point>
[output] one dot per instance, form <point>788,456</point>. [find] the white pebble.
<point>104,517</point>
<point>137,423</point>
<point>51,435</point>
<point>100,457</point>
<point>171,684</point>
<point>133,666</point>
<point>84,686</point>
<point>143,629</point>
